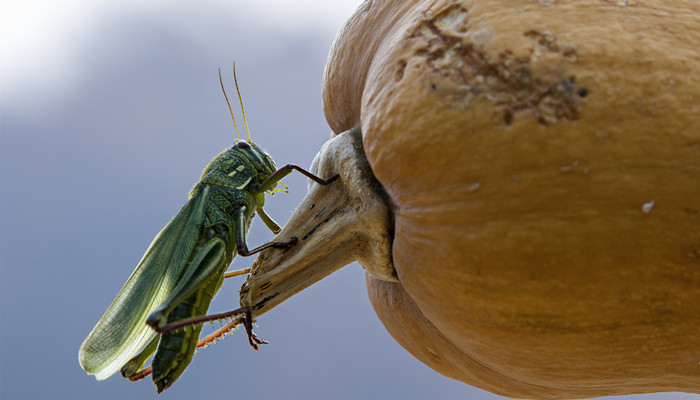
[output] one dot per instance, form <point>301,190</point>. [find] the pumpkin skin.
<point>543,164</point>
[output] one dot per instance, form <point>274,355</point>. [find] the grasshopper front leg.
<point>270,183</point>
<point>242,246</point>
<point>287,169</point>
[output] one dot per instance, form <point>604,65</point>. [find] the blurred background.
<point>109,111</point>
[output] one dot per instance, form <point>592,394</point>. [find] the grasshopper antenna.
<point>241,101</point>
<point>229,105</point>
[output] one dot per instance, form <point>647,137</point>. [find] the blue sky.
<point>109,111</point>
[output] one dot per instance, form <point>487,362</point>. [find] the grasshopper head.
<point>262,161</point>
<point>222,170</point>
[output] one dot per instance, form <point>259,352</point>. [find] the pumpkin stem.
<point>336,224</point>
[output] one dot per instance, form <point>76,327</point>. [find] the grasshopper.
<point>184,267</point>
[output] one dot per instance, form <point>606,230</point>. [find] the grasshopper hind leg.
<point>241,315</point>
<point>248,325</point>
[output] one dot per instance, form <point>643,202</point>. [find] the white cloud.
<point>326,14</point>
<point>41,35</point>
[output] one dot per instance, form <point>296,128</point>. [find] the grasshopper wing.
<point>122,330</point>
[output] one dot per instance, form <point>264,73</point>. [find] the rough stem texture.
<point>345,221</point>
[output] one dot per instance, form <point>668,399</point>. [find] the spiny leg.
<point>239,312</point>
<point>218,334</point>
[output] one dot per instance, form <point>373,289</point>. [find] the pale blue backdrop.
<point>108,115</point>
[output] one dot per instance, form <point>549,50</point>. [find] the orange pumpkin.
<point>539,165</point>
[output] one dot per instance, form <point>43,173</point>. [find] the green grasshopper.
<point>184,267</point>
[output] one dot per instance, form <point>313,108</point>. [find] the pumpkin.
<point>521,181</point>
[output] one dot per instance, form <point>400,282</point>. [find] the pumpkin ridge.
<point>387,293</point>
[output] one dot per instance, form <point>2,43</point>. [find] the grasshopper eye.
<point>242,144</point>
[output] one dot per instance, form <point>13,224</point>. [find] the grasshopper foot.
<point>285,245</point>
<point>252,338</point>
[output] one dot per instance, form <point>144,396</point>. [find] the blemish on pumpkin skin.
<point>694,253</point>
<point>570,167</point>
<point>543,42</point>
<point>647,207</point>
<point>400,70</point>
<point>454,17</point>
<point>480,37</point>
<point>508,117</point>
<point>570,53</point>
<point>464,72</point>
